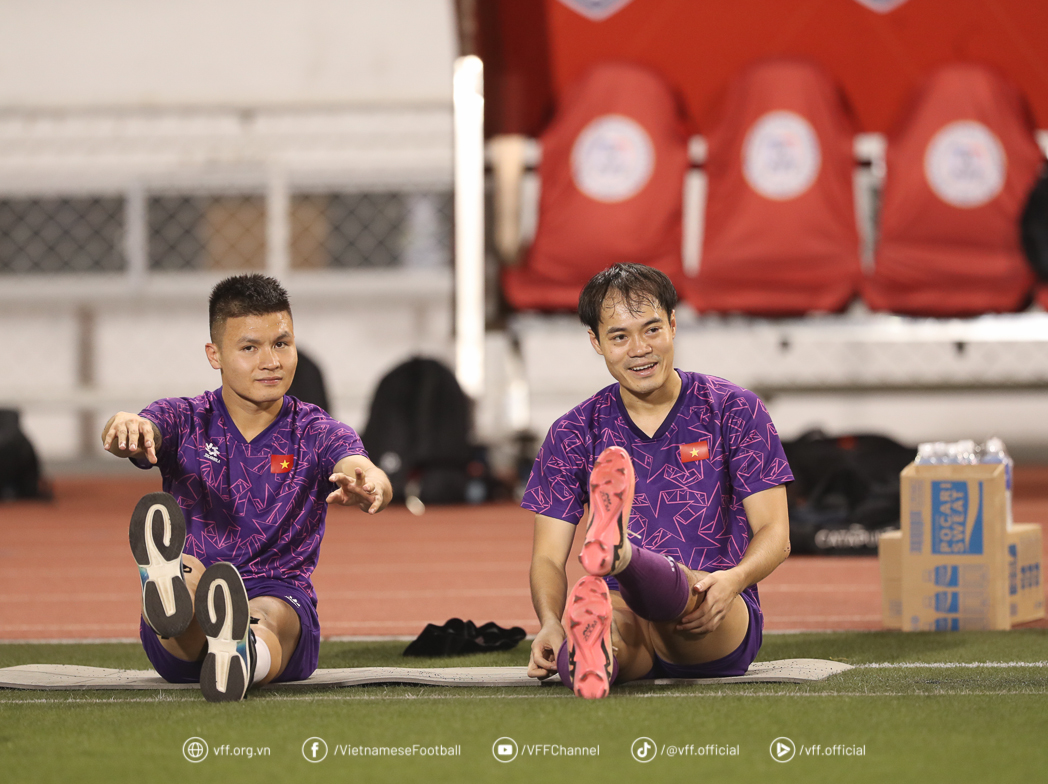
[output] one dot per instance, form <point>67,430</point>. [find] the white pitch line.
<point>947,665</point>
<point>805,588</point>
<point>564,695</point>
<point>801,619</point>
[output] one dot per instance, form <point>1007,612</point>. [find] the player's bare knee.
<point>279,618</point>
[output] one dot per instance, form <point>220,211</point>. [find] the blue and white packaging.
<point>954,553</point>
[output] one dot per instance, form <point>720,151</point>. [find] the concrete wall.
<point>79,360</point>
<point>63,54</point>
<point>120,96</point>
<point>850,374</point>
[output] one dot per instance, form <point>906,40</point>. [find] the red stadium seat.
<point>959,170</point>
<point>780,231</point>
<point>612,174</point>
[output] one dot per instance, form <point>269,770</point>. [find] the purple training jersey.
<point>716,447</point>
<point>258,505</point>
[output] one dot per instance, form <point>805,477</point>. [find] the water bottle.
<point>965,452</point>
<point>925,454</point>
<point>931,453</point>
<point>993,451</point>
<point>957,453</point>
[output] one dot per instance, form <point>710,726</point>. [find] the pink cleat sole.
<point>589,638</point>
<point>611,496</point>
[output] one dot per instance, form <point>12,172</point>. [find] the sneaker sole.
<point>611,496</point>
<point>589,638</point>
<point>224,615</point>
<point>157,535</point>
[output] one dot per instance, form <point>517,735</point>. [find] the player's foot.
<point>158,535</point>
<point>606,547</point>
<point>225,616</point>
<point>589,638</point>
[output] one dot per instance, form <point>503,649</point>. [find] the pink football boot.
<point>611,495</point>
<point>589,638</point>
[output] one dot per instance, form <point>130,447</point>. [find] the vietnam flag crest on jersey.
<point>689,453</point>
<point>281,464</point>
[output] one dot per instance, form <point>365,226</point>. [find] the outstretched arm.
<point>549,591</point>
<point>361,483</point>
<point>131,435</point>
<point>769,546</point>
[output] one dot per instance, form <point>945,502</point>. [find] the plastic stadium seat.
<point>959,170</point>
<point>780,231</point>
<point>612,174</point>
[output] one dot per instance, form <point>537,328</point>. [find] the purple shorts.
<point>303,661</point>
<point>735,663</point>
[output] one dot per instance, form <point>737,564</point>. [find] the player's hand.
<point>358,490</point>
<point>130,435</point>
<point>718,590</point>
<point>544,647</point>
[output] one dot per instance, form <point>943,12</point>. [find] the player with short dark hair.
<point>226,552</point>
<point>680,478</point>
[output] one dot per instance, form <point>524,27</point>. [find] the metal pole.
<point>278,223</point>
<point>469,224</point>
<point>136,235</point>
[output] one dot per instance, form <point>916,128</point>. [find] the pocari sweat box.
<point>954,553</point>
<point>1025,581</point>
<point>1025,585</point>
<point>889,558</point>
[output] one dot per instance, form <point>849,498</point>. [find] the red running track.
<point>66,571</point>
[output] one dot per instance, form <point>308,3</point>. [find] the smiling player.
<point>691,468</point>
<point>225,553</point>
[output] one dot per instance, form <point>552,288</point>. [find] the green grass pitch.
<point>926,724</point>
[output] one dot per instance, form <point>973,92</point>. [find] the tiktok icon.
<point>644,749</point>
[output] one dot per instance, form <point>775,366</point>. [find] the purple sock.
<point>654,586</point>
<point>565,671</point>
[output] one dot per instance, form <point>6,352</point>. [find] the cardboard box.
<point>954,559</point>
<point>1025,581</point>
<point>889,557</point>
<point>1025,585</point>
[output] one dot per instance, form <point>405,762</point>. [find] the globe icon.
<point>194,749</point>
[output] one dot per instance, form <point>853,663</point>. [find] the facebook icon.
<point>314,749</point>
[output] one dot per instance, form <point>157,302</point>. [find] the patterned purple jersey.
<point>258,505</point>
<point>716,447</point>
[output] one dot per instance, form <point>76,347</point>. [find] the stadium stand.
<point>959,170</point>
<point>613,164</point>
<point>780,228</point>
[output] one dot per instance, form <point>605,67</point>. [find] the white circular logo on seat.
<point>882,6</point>
<point>781,156</point>
<point>965,164</point>
<point>612,159</point>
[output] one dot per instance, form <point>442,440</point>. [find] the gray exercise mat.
<point>75,678</point>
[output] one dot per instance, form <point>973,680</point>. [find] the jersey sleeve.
<point>558,486</point>
<point>755,456</point>
<point>172,416</point>
<point>335,440</point>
